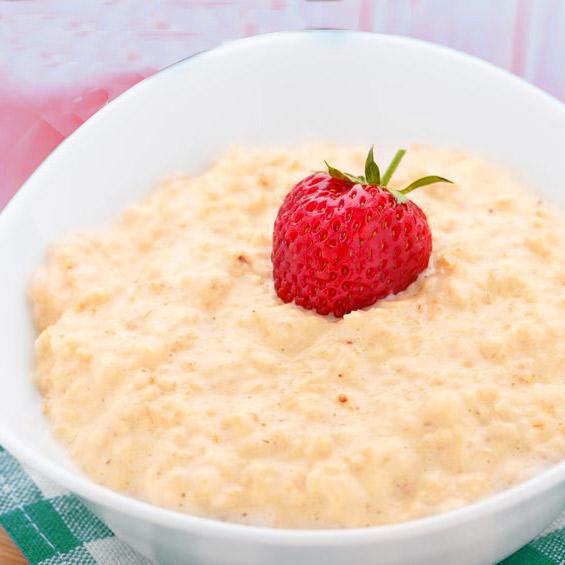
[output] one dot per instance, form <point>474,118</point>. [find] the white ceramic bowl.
<point>282,88</point>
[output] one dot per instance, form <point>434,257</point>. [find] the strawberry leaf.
<point>337,174</point>
<point>372,173</point>
<point>373,176</point>
<point>400,198</point>
<point>390,170</point>
<point>424,181</point>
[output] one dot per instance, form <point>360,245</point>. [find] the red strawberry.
<point>342,242</point>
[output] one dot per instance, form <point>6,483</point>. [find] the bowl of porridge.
<point>151,367</point>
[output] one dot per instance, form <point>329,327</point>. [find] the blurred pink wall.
<point>62,60</point>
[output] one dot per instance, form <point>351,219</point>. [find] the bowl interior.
<point>341,87</point>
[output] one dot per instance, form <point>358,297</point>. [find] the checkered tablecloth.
<point>53,527</point>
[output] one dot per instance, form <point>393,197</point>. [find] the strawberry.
<point>342,242</point>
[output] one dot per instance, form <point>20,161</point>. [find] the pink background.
<point>62,60</point>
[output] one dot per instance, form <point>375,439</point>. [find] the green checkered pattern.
<point>51,526</point>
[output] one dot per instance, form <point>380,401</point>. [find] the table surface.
<point>9,553</point>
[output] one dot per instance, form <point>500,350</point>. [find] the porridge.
<point>174,373</point>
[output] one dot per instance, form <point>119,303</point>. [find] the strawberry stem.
<point>393,166</point>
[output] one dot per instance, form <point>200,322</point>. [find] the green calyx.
<point>373,176</point>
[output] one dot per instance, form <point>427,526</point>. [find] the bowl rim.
<point>84,487</point>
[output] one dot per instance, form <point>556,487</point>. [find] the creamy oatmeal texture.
<point>174,373</point>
